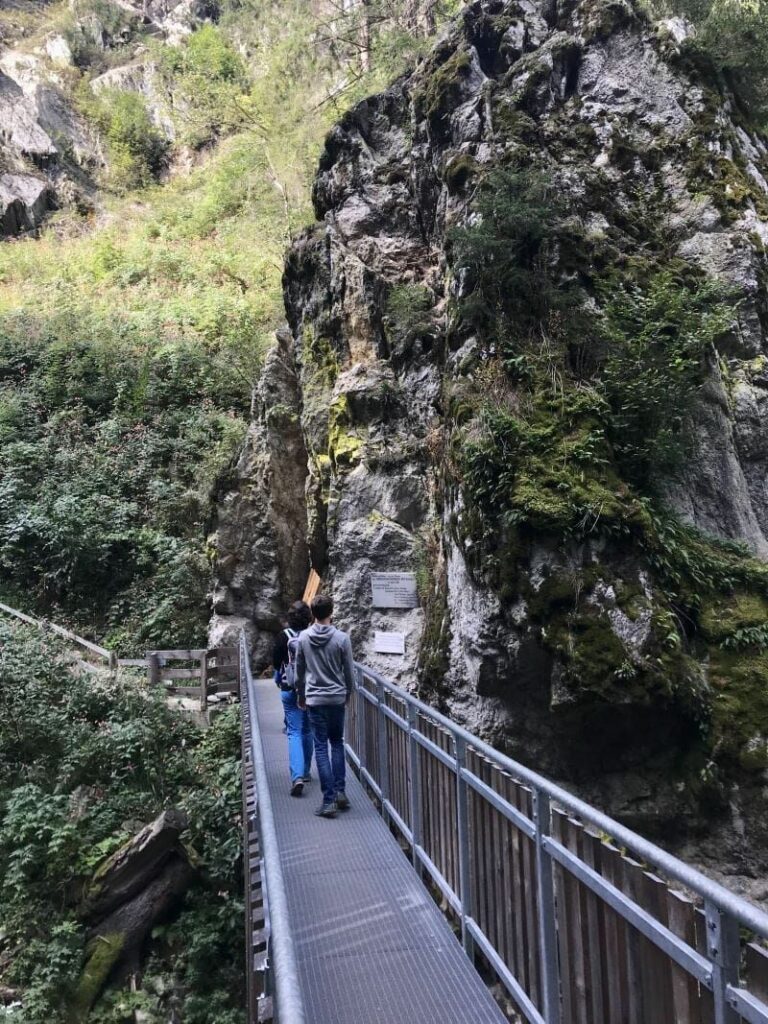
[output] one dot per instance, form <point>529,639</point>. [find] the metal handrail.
<point>716,969</point>
<point>746,913</point>
<point>289,1002</point>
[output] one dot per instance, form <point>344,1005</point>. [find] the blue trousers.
<point>299,736</point>
<point>327,723</point>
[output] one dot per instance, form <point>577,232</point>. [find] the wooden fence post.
<point>204,682</point>
<point>153,668</point>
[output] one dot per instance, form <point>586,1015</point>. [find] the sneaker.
<point>326,810</point>
<point>307,778</point>
<point>297,787</point>
<point>342,801</point>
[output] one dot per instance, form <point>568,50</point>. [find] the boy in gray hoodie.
<point>325,678</point>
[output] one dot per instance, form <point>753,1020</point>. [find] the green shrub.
<point>209,83</point>
<point>121,755</point>
<point>659,341</point>
<point>136,149</point>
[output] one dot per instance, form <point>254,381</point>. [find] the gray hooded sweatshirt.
<point>325,669</point>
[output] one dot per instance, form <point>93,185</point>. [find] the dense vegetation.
<point>129,349</point>
<point>83,764</point>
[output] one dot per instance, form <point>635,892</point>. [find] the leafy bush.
<point>80,758</point>
<point>501,258</point>
<point>659,340</point>
<point>209,83</point>
<point>733,36</point>
<point>135,147</point>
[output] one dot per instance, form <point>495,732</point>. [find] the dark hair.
<point>299,615</point>
<point>322,607</point>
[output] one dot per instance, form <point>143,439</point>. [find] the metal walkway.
<point>372,946</point>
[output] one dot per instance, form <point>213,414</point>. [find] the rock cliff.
<point>600,622</point>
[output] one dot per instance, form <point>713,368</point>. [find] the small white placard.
<point>394,590</point>
<point>389,643</point>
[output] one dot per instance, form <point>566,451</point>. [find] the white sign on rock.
<point>394,590</point>
<point>388,643</point>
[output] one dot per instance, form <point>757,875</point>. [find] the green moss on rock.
<point>102,954</point>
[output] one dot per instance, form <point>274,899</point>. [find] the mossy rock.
<point>459,171</point>
<point>443,83</point>
<point>721,616</point>
<point>739,726</point>
<point>103,953</point>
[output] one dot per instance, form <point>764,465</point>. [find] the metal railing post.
<point>360,711</point>
<point>414,783</point>
<point>383,779</point>
<point>462,824</point>
<point>545,884</point>
<point>724,952</point>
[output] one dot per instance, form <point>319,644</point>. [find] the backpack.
<point>289,668</point>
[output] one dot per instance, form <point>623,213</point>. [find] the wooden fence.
<point>627,946</point>
<point>215,671</point>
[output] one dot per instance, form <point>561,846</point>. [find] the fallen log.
<point>132,891</point>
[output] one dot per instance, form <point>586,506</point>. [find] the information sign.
<point>389,643</point>
<point>394,590</point>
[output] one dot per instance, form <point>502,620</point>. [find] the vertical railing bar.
<point>360,720</point>
<point>545,882</point>
<point>383,779</point>
<point>414,795</point>
<point>723,949</point>
<point>462,824</point>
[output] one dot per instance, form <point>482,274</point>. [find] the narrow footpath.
<point>372,946</point>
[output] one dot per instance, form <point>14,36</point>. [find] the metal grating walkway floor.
<point>372,946</point>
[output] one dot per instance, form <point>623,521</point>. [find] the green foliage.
<point>94,27</point>
<point>104,494</point>
<point>209,83</point>
<point>135,148</point>
<point>79,758</point>
<point>658,338</point>
<point>733,37</point>
<point>502,257</point>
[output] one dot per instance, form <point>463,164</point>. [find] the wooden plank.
<point>592,911</point>
<point>632,874</point>
<point>659,980</point>
<point>312,588</point>
<point>507,948</point>
<point>516,882</point>
<point>615,940</point>
<point>685,988</point>
<point>176,655</point>
<point>577,927</point>
<point>203,673</point>
<point>757,971</point>
<point>524,805</point>
<point>706,999</point>
<point>491,878</point>
<point>563,885</point>
<point>179,673</point>
<point>60,630</point>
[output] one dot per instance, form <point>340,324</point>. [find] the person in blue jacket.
<point>296,720</point>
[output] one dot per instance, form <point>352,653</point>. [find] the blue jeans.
<point>299,736</point>
<point>327,722</point>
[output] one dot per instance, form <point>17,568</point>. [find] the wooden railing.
<point>100,657</point>
<point>216,671</point>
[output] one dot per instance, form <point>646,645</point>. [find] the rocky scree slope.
<point>602,627</point>
<point>50,156</point>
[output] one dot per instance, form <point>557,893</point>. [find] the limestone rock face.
<point>260,538</point>
<point>635,143</point>
<point>46,151</point>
